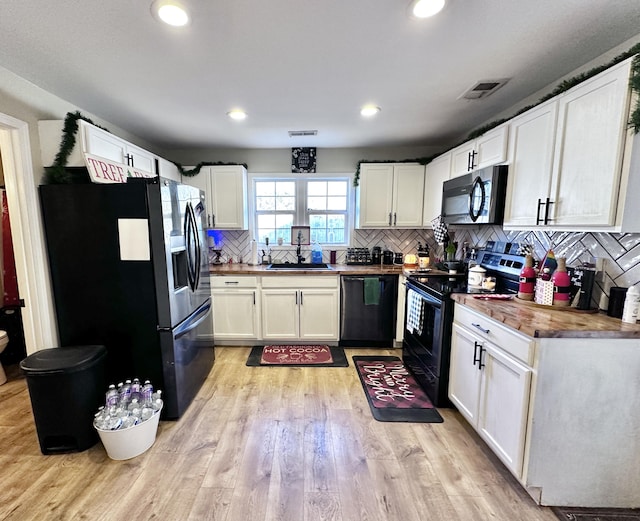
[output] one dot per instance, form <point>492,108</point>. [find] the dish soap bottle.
<point>527,281</point>
<point>316,253</point>
<point>631,305</point>
<point>561,284</point>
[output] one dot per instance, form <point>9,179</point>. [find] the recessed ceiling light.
<point>426,8</point>
<point>369,110</point>
<point>237,114</point>
<point>170,12</point>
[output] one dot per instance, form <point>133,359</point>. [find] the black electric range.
<point>427,330</point>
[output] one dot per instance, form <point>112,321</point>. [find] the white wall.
<point>329,160</point>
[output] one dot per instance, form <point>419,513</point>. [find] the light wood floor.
<point>264,444</point>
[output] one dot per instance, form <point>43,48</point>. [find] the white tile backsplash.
<point>621,252</point>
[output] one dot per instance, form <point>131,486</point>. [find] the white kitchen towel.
<point>414,312</point>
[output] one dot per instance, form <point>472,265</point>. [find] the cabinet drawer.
<point>235,281</point>
<point>509,340</point>
<point>300,281</point>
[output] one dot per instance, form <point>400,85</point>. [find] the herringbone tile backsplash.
<point>620,252</point>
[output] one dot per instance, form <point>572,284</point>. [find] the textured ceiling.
<point>303,65</point>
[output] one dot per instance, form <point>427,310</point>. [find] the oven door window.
<point>422,325</point>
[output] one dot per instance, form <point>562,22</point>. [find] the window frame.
<point>301,211</point>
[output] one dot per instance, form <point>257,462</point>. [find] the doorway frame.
<point>32,269</point>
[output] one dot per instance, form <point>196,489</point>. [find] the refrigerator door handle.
<point>192,247</point>
<point>194,321</point>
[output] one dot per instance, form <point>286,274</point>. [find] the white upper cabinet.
<point>93,140</point>
<point>570,160</point>
<point>226,195</point>
<point>592,121</point>
<point>531,144</point>
<point>436,173</point>
<point>486,150</point>
<point>390,195</point>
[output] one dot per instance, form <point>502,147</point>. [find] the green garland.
<point>196,169</point>
<point>634,117</point>
<point>59,174</point>
<point>420,160</point>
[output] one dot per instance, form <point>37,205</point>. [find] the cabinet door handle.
<point>389,218</point>
<point>480,362</point>
<point>546,211</point>
<point>301,300</point>
<point>478,326</point>
<point>471,160</point>
<point>538,219</point>
<point>254,298</point>
<point>476,358</point>
<point>395,218</point>
<point>213,219</point>
<point>231,282</point>
<point>296,298</point>
<point>209,220</point>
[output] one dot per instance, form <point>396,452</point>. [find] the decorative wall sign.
<point>102,170</point>
<point>303,160</point>
<point>303,233</point>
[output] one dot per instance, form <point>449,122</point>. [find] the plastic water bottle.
<point>316,253</point>
<point>157,403</point>
<point>125,393</point>
<point>147,393</point>
<point>136,390</point>
<point>111,397</point>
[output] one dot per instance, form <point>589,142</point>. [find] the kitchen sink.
<point>302,266</point>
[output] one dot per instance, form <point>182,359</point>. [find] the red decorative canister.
<point>527,280</point>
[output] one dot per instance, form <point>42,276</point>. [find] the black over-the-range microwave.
<point>475,198</point>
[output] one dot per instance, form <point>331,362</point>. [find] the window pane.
<point>285,203</point>
<point>337,188</point>
<point>265,204</point>
<point>317,188</point>
<point>266,221</point>
<point>283,227</point>
<point>317,203</point>
<point>286,188</point>
<point>265,188</point>
<point>337,203</point>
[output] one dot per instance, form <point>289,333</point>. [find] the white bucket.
<point>132,441</point>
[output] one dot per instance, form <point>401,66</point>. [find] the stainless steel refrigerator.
<point>129,270</point>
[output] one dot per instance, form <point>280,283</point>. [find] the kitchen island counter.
<point>549,322</point>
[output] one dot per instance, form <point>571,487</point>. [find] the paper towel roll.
<point>254,253</point>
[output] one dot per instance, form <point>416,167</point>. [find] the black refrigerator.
<point>129,271</point>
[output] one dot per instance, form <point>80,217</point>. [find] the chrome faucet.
<point>298,249</point>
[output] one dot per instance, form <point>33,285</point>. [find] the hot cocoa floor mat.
<point>303,355</point>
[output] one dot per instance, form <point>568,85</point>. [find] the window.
<point>322,204</point>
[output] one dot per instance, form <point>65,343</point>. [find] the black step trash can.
<point>66,386</point>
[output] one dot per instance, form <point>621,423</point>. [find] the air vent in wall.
<point>296,133</point>
<point>482,89</point>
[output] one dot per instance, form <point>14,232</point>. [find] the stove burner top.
<point>440,285</point>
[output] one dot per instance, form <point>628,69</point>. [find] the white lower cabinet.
<point>561,412</point>
<point>491,390</point>
<point>236,308</point>
<point>300,308</point>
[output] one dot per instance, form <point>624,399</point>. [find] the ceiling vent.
<point>297,133</point>
<point>482,89</point>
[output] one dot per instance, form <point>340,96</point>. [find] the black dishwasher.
<point>368,310</point>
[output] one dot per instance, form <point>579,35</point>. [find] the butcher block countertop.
<point>548,322</point>
<point>336,269</point>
